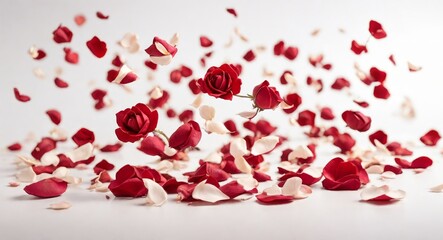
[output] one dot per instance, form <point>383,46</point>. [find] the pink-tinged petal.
<point>413,68</point>
<point>264,145</point>
<point>62,34</point>
<point>21,97</point>
<point>60,206</point>
<point>79,19</point>
<point>102,16</point>
<point>437,189</point>
<point>232,11</point>
<point>55,116</point>
<point>157,196</point>
<point>97,47</point>
<point>125,75</point>
<point>60,83</point>
<point>430,138</point>
<point>376,30</point>
<point>47,188</point>
<point>293,187</point>
<point>382,193</point>
<point>208,193</point>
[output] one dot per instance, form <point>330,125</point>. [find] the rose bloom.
<point>342,175</point>
<point>135,123</point>
<point>266,97</point>
<point>129,181</point>
<point>221,82</point>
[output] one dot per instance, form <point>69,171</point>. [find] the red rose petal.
<point>111,147</point>
<point>431,138</point>
<point>97,47</point>
<point>279,48</point>
<point>356,120</point>
<point>15,147</point>
<point>83,136</point>
<point>79,19</point>
<point>47,188</point>
<point>103,165</point>
<point>249,56</point>
<point>390,168</point>
<point>100,15</point>
<point>274,199</point>
<point>55,116</point>
<point>420,162</point>
<point>379,136</point>
<point>306,118</point>
<point>45,145</point>
<point>232,11</point>
<point>357,48</point>
<point>205,42</point>
<point>60,83</point>
<point>344,141</point>
<point>376,30</point>
<point>21,97</point>
<point>392,59</point>
<point>185,71</point>
<point>70,56</point>
<point>381,92</point>
<point>377,75</point>
<point>340,83</point>
<point>294,100</point>
<point>62,35</point>
<point>326,113</point>
<point>291,53</point>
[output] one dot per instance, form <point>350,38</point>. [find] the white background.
<point>415,34</point>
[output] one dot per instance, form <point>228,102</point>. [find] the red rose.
<point>187,135</point>
<point>129,181</point>
<point>135,123</point>
<point>357,120</point>
<point>221,82</point>
<point>266,97</point>
<point>341,175</point>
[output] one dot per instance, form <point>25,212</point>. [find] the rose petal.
<point>47,188</point>
<point>81,153</point>
<point>301,151</point>
<point>413,68</point>
<point>207,112</point>
<point>264,145</point>
<point>293,187</point>
<point>21,97</point>
<point>54,115</point>
<point>157,196</point>
<point>208,193</point>
<point>238,147</point>
<point>26,174</point>
<point>382,193</point>
<point>242,165</point>
<point>59,206</point>
<point>437,189</point>
<point>97,47</point>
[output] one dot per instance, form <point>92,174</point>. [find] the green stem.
<point>160,132</point>
<point>244,96</point>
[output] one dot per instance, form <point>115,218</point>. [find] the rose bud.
<point>266,97</point>
<point>135,123</point>
<point>187,135</point>
<point>161,52</point>
<point>357,120</point>
<point>221,82</point>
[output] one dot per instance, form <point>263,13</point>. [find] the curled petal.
<point>208,193</point>
<point>382,193</point>
<point>157,196</point>
<point>264,145</point>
